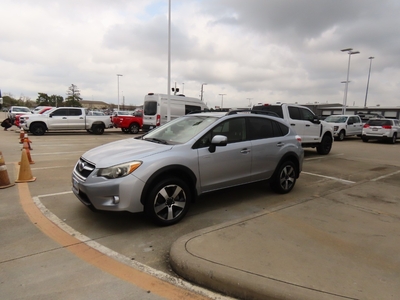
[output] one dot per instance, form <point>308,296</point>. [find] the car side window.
<point>294,113</point>
<point>60,112</point>
<point>75,112</point>
<point>306,115</point>
<point>233,129</point>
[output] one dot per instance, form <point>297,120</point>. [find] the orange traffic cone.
<point>25,173</point>
<point>21,135</point>
<point>27,147</point>
<point>4,179</point>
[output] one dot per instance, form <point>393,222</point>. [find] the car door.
<point>229,165</point>
<point>59,119</point>
<point>302,122</point>
<point>267,139</point>
<point>354,125</point>
<point>76,118</point>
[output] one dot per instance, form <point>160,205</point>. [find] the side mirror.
<point>316,120</point>
<point>218,140</point>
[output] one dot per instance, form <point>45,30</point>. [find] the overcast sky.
<point>253,51</point>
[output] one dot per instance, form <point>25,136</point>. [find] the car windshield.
<point>180,130</point>
<point>21,109</point>
<point>336,119</point>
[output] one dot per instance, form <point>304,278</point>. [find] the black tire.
<point>341,135</point>
<point>125,130</point>
<point>134,128</point>
<point>88,131</point>
<point>394,138</point>
<point>37,129</point>
<point>284,178</point>
<point>168,202</point>
<point>325,146</point>
<point>364,139</point>
<point>98,129</point>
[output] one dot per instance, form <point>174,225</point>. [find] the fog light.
<point>116,200</point>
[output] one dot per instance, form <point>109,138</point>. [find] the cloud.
<point>266,51</point>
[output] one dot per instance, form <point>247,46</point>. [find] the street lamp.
<point>222,100</point>
<point>350,52</point>
<point>201,92</point>
<point>118,75</point>
<point>369,73</point>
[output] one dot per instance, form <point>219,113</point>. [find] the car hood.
<point>123,151</point>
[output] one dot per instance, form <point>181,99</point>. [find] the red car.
<point>128,122</point>
<point>45,108</point>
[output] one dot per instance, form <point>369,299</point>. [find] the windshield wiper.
<point>156,140</point>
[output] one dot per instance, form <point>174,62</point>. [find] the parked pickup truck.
<point>128,122</point>
<point>314,132</point>
<point>65,118</point>
<point>345,125</point>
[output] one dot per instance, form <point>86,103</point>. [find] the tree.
<point>43,100</point>
<point>74,96</point>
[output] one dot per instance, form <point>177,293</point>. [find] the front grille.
<point>84,168</point>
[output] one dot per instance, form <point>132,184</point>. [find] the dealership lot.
<point>360,171</point>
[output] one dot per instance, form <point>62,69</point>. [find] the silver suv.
<point>381,129</point>
<point>163,171</point>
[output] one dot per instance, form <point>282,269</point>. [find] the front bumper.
<point>120,194</point>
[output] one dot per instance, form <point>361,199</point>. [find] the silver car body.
<point>230,165</point>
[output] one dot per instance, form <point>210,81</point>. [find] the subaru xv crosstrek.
<point>163,171</point>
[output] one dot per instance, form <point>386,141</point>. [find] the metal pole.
<point>350,52</point>
<point>369,73</point>
<point>169,64</point>
<point>222,100</point>
<point>201,93</point>
<point>118,75</point>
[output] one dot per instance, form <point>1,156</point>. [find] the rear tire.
<point>394,138</point>
<point>98,129</point>
<point>168,202</point>
<point>284,178</point>
<point>364,139</point>
<point>134,128</point>
<point>325,146</point>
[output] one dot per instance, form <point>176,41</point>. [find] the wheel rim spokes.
<point>287,177</point>
<point>169,202</point>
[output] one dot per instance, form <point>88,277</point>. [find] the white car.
<point>345,125</point>
<point>18,110</point>
<point>381,129</point>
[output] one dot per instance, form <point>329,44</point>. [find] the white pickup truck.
<point>314,132</point>
<point>65,118</point>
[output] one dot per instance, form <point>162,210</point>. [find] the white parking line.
<point>329,177</point>
<point>385,176</point>
<point>322,157</point>
<point>57,153</point>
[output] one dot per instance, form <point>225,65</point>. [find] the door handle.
<point>245,150</point>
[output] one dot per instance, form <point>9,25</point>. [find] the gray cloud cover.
<point>252,51</point>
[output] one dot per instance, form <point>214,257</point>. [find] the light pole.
<point>222,100</point>
<point>118,75</point>
<point>369,73</point>
<point>201,92</point>
<point>350,52</point>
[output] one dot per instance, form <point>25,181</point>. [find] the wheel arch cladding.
<point>178,171</point>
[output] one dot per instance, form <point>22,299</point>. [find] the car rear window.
<point>379,122</point>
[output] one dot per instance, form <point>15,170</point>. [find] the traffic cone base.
<point>25,173</point>
<point>4,179</point>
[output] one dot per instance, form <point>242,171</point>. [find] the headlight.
<point>119,170</point>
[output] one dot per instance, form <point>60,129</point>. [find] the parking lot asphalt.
<point>336,237</point>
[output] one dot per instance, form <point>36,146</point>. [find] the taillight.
<point>298,138</point>
<point>387,126</point>
<point>158,119</point>
<point>366,125</point>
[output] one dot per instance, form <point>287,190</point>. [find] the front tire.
<point>168,202</point>
<point>325,146</point>
<point>37,129</point>
<point>341,135</point>
<point>284,178</point>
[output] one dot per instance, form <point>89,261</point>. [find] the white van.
<point>155,108</point>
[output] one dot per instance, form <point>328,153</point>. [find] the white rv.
<point>155,108</point>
